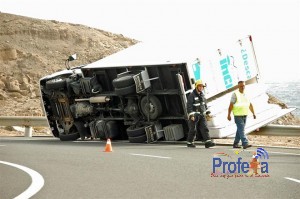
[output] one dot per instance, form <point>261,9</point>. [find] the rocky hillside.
<point>32,48</point>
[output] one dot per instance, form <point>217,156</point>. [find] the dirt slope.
<point>31,48</point>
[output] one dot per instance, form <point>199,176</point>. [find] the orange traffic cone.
<point>108,147</point>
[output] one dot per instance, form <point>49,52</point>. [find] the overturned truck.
<point>141,95</point>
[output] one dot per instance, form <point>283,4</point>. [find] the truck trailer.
<point>139,94</point>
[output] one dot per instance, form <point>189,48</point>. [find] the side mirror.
<point>71,58</point>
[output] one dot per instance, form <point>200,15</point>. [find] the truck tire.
<point>133,131</point>
<point>55,84</point>
<point>153,107</point>
<point>76,131</point>
<point>69,137</point>
<point>123,81</point>
<point>126,90</point>
<point>101,129</point>
<point>112,129</point>
<point>139,139</point>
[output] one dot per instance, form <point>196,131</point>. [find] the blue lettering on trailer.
<point>196,70</point>
<point>246,63</point>
<point>225,72</point>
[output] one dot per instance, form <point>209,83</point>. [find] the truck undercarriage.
<point>122,103</point>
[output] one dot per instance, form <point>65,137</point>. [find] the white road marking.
<point>2,145</point>
<point>152,156</point>
<point>37,181</point>
<point>292,179</point>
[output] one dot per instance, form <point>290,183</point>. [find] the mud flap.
<point>151,134</point>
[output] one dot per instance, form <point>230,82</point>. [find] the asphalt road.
<point>163,170</point>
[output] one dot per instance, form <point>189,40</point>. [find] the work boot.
<point>247,146</point>
<point>191,145</point>
<point>209,144</point>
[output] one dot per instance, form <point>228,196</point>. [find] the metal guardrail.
<point>278,130</point>
<point>27,121</point>
<point>23,121</point>
<point>35,121</point>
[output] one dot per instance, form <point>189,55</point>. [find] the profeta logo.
<point>241,163</point>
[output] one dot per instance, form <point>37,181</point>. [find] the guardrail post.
<point>28,131</point>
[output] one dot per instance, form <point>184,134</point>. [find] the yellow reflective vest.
<point>241,106</point>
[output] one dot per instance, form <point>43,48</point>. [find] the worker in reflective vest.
<point>240,105</point>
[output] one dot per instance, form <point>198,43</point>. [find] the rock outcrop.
<point>32,48</point>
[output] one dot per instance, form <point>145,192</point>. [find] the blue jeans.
<point>240,122</point>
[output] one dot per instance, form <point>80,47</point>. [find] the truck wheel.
<point>132,131</point>
<point>139,139</point>
<point>112,129</point>
<point>69,137</point>
<point>126,90</point>
<point>123,81</point>
<point>76,131</point>
<point>55,84</point>
<point>153,107</point>
<point>101,129</point>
